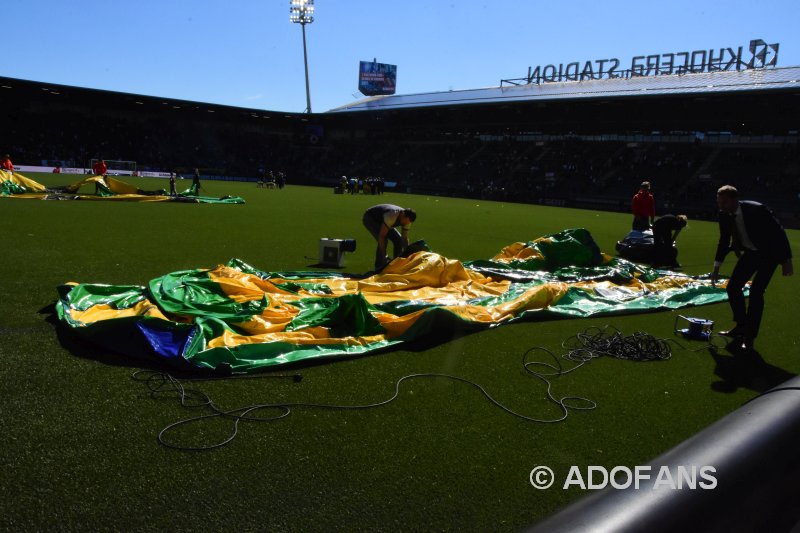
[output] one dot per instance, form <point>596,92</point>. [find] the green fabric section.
<point>82,297</point>
<point>194,199</point>
<point>192,292</point>
<point>295,287</point>
<point>346,316</point>
<point>569,256</point>
<point>568,248</point>
<point>8,188</point>
<point>103,190</point>
<point>193,190</point>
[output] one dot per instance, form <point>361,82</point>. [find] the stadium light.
<point>302,12</point>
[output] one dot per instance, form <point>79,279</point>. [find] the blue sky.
<point>247,53</point>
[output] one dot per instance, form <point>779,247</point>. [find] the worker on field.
<point>196,181</point>
<point>643,207</point>
<point>381,221</point>
<point>665,232</point>
<point>6,164</point>
<point>99,169</point>
<point>751,230</point>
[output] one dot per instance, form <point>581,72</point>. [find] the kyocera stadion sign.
<point>758,55</point>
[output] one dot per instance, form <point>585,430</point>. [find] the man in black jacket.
<point>751,230</point>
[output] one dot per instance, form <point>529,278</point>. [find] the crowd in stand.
<point>567,171</point>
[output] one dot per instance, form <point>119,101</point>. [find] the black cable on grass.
<point>581,348</point>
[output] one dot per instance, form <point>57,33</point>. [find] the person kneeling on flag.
<point>381,221</point>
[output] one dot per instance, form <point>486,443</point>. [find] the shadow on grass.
<point>86,350</point>
<point>746,369</point>
<point>326,267</point>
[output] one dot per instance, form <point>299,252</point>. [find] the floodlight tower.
<point>302,12</point>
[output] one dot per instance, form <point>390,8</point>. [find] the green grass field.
<point>80,448</point>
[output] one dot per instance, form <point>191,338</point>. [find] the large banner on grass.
<point>238,315</point>
<point>16,185</point>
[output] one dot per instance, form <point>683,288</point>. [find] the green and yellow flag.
<point>253,319</point>
<point>15,185</point>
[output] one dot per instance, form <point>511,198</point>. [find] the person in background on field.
<point>381,221</point>
<point>6,164</point>
<point>643,207</point>
<point>172,177</point>
<point>99,169</point>
<point>753,232</point>
<point>665,232</point>
<point>196,180</point>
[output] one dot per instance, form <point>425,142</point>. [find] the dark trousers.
<point>373,225</point>
<point>750,263</point>
<point>640,223</point>
<point>664,253</point>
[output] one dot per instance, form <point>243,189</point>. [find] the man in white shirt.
<point>381,221</point>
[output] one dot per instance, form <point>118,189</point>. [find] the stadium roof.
<point>26,89</point>
<point>676,84</point>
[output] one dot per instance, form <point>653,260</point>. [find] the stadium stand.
<point>581,144</point>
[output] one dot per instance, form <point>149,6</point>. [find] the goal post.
<point>115,166</point>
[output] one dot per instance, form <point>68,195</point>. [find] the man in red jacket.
<point>6,163</point>
<point>643,207</point>
<point>99,169</point>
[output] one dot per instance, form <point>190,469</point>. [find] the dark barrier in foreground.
<point>756,453</point>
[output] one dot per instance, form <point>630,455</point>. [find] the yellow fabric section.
<point>31,196</point>
<point>106,312</point>
<point>19,179</point>
<point>422,269</point>
<point>636,288</point>
<point>126,198</point>
<point>73,187</point>
<point>518,250</point>
<point>423,277</point>
<point>125,192</point>
<point>394,325</point>
<point>120,187</point>
<point>309,336</point>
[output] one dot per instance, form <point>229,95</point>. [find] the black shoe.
<point>749,344</point>
<point>736,331</point>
